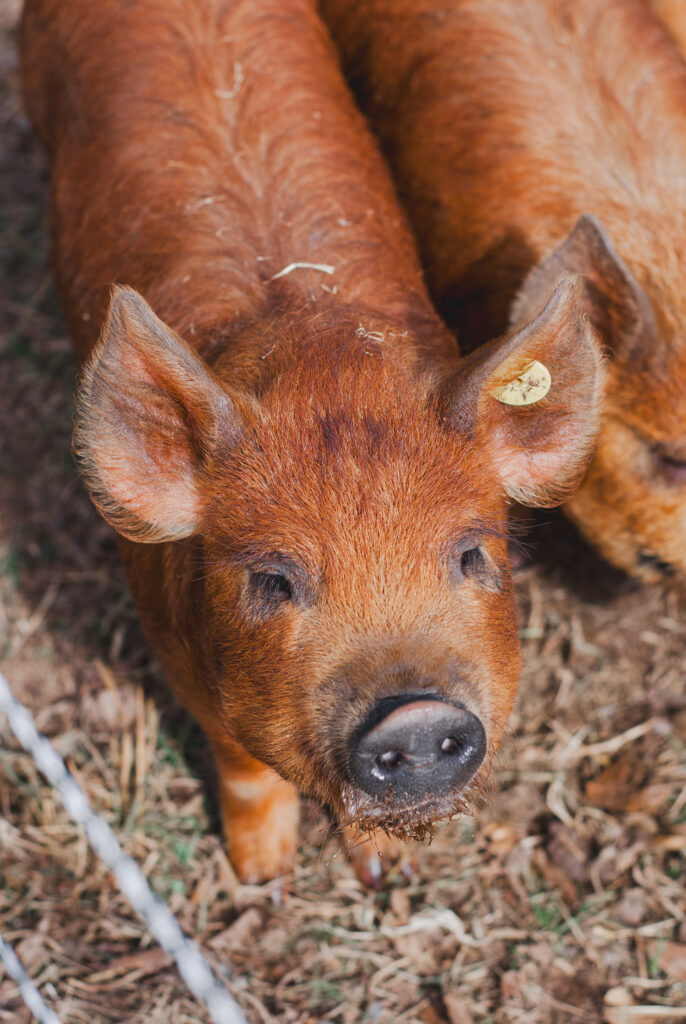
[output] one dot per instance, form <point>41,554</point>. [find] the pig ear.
<point>612,297</point>
<point>531,401</point>
<point>149,412</point>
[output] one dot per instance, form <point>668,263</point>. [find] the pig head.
<point>316,538</point>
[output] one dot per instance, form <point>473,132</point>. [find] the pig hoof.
<point>371,855</point>
<point>266,849</point>
<point>260,812</point>
<point>261,865</point>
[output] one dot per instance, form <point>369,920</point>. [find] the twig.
<point>325,268</point>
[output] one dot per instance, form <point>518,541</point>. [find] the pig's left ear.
<point>532,400</point>
<point>150,415</point>
<point>611,296</point>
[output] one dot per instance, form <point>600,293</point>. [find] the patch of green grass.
<point>29,789</point>
<point>548,916</point>
<point>10,568</point>
<point>185,849</point>
<point>674,867</point>
<point>168,754</point>
<point>653,966</point>
<point>584,909</point>
<point>325,991</point>
<point>514,962</point>
<point>167,830</point>
<point>164,885</point>
<point>182,747</point>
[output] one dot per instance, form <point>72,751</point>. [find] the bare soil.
<point>563,900</point>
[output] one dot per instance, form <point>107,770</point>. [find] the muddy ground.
<point>563,900</point>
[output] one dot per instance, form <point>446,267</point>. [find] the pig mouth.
<point>411,820</point>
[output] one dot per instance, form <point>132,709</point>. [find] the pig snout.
<point>422,749</point>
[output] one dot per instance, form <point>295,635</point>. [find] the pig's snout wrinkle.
<point>419,750</point>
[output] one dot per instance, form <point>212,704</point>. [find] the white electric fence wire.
<point>28,991</point>
<point>162,924</point>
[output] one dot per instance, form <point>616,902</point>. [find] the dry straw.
<point>27,990</point>
<point>164,927</point>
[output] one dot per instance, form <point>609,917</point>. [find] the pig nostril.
<point>450,746</point>
<point>390,759</point>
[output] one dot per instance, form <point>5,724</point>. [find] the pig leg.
<point>260,813</point>
<point>370,853</point>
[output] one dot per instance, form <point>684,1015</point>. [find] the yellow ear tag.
<point>529,387</point>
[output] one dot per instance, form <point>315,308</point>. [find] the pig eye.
<point>273,588</point>
<point>472,562</point>
<point>276,580</point>
<point>469,560</point>
<point>672,470</point>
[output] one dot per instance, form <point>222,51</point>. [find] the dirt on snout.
<point>564,900</point>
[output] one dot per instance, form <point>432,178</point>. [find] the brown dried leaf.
<point>456,1008</point>
<point>618,788</point>
<point>571,853</point>
<point>614,787</point>
<point>518,805</point>
<point>501,836</point>
<point>651,798</point>
<point>147,962</point>
<point>430,1016</point>
<point>418,947</point>
<point>632,908</point>
<point>239,932</point>
<point>400,905</point>
<point>673,961</point>
<point>31,951</point>
<point>510,985</point>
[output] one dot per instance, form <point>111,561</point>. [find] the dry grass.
<point>564,901</point>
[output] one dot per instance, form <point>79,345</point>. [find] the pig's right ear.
<point>612,297</point>
<point>531,401</point>
<point>149,413</point>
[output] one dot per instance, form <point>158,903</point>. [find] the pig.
<point>311,488</point>
<point>541,137</point>
<point>672,14</point>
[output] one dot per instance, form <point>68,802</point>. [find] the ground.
<point>563,900</point>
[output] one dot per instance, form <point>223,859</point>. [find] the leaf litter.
<point>564,898</point>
